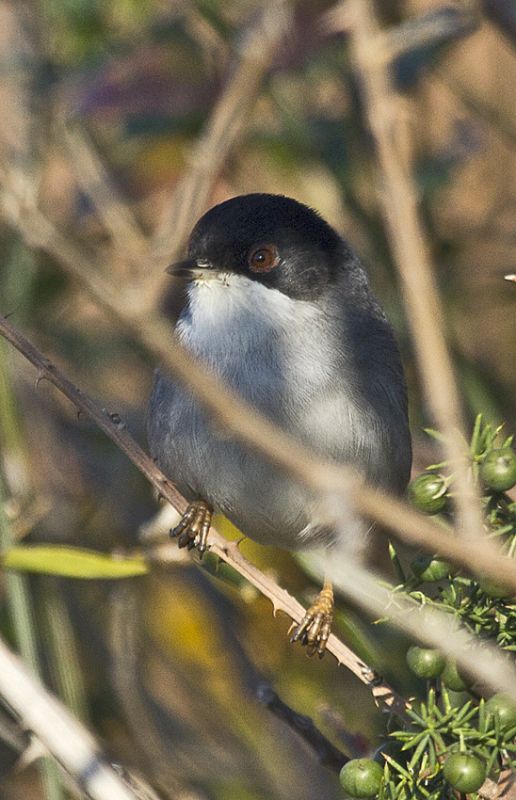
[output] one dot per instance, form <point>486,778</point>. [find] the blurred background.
<point>130,118</point>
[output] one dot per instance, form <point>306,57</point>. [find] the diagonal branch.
<point>227,551</point>
<point>327,480</point>
<point>354,581</point>
<point>329,755</point>
<point>127,238</point>
<point>68,741</point>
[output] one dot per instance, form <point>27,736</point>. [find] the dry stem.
<point>324,478</point>
<point>431,628</point>
<point>399,204</point>
<point>223,130</point>
<point>227,551</point>
<point>68,741</point>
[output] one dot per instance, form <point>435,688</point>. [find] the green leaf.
<point>434,434</point>
<point>71,562</point>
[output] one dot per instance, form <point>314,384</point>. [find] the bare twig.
<point>365,592</point>
<point>21,612</point>
<point>227,551</point>
<point>425,622</point>
<point>225,126</point>
<point>66,739</point>
<point>327,753</point>
<point>323,478</point>
<point>420,31</point>
<point>127,237</point>
<point>399,204</point>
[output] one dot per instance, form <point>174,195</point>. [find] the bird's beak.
<point>192,268</point>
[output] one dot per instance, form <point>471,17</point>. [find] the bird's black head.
<point>269,238</point>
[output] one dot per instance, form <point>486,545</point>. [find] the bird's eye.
<point>263,258</point>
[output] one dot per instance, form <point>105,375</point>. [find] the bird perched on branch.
<point>279,307</point>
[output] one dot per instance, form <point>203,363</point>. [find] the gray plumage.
<point>315,354</point>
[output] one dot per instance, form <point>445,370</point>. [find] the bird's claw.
<point>193,528</point>
<point>314,629</point>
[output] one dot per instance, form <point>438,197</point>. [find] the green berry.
<point>498,469</point>
<point>361,778</point>
<point>452,678</point>
<point>466,773</point>
<point>502,707</point>
<point>429,569</point>
<point>425,662</point>
<point>427,493</point>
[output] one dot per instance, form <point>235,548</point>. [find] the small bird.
<point>279,308</point>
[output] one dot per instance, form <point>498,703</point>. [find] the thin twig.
<point>227,551</point>
<point>21,612</point>
<point>399,205</point>
<point>323,478</point>
<point>426,626</point>
<point>226,408</point>
<point>420,31</point>
<point>425,622</point>
<point>231,412</point>
<point>65,738</point>
<point>329,755</point>
<point>128,240</point>
<point>224,128</point>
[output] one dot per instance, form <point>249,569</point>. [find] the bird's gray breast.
<point>284,358</point>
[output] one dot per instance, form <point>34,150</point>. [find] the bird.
<point>278,306</point>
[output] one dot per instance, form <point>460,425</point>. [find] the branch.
<point>227,551</point>
<point>399,205</point>
<point>228,120</point>
<point>353,581</point>
<point>329,755</point>
<point>65,738</point>
<point>327,480</point>
<point>127,238</point>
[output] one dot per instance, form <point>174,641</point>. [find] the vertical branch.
<point>224,128</point>
<point>399,205</point>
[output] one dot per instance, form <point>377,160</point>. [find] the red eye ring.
<point>263,258</point>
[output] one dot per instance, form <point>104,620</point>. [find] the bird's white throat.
<point>233,311</point>
<point>240,327</point>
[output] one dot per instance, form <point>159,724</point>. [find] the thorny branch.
<point>384,695</point>
<point>227,551</point>
<point>350,578</point>
<point>327,480</point>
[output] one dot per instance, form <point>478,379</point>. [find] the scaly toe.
<point>314,629</point>
<point>193,528</point>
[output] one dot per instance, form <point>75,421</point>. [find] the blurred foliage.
<point>173,691</point>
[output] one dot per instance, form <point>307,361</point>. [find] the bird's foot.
<point>192,530</point>
<point>315,627</point>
